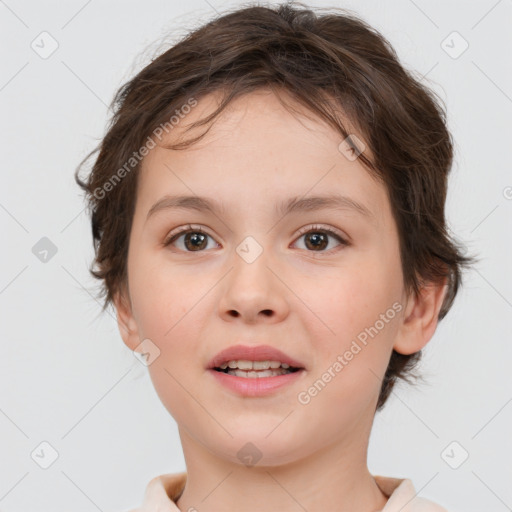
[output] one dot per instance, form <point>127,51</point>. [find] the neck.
<point>333,478</point>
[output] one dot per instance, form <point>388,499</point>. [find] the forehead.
<point>256,148</point>
<point>277,113</point>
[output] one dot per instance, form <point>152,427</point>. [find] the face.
<point>313,282</point>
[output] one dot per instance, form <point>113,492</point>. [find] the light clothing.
<point>163,491</point>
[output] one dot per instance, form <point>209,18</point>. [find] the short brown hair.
<point>327,63</point>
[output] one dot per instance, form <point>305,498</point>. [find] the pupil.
<point>317,237</point>
<point>195,237</point>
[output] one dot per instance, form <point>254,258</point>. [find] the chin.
<point>258,450</point>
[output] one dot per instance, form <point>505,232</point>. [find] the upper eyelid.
<point>183,230</point>
<point>301,232</point>
<point>319,227</point>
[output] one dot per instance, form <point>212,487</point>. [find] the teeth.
<point>258,374</point>
<point>253,365</point>
<point>265,365</point>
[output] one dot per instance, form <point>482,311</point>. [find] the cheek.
<point>355,298</point>
<point>361,308</point>
<point>162,296</point>
<point>167,305</point>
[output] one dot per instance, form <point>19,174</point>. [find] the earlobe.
<point>125,321</point>
<point>420,318</point>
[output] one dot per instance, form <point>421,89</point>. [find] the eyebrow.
<point>292,205</point>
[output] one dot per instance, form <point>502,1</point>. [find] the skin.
<point>310,303</point>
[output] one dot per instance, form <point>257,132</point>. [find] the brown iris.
<point>319,240</point>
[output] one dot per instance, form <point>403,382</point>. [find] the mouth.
<point>256,369</point>
<point>254,362</point>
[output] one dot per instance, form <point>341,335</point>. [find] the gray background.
<point>67,379</point>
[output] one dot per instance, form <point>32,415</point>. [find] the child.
<point>280,268</point>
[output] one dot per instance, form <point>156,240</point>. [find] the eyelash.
<point>308,229</point>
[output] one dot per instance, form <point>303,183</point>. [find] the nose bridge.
<point>252,288</point>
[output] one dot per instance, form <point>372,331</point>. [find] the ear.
<point>125,320</point>
<point>420,317</point>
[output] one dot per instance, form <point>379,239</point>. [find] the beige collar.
<point>163,491</point>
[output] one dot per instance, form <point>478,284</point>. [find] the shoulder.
<point>424,505</point>
<point>161,491</point>
<point>403,497</point>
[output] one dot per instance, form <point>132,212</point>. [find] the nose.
<point>253,292</point>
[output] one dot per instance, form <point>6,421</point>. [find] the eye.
<point>194,239</point>
<point>317,238</point>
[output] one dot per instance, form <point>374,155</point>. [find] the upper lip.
<point>252,353</point>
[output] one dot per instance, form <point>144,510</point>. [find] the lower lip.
<point>256,386</point>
